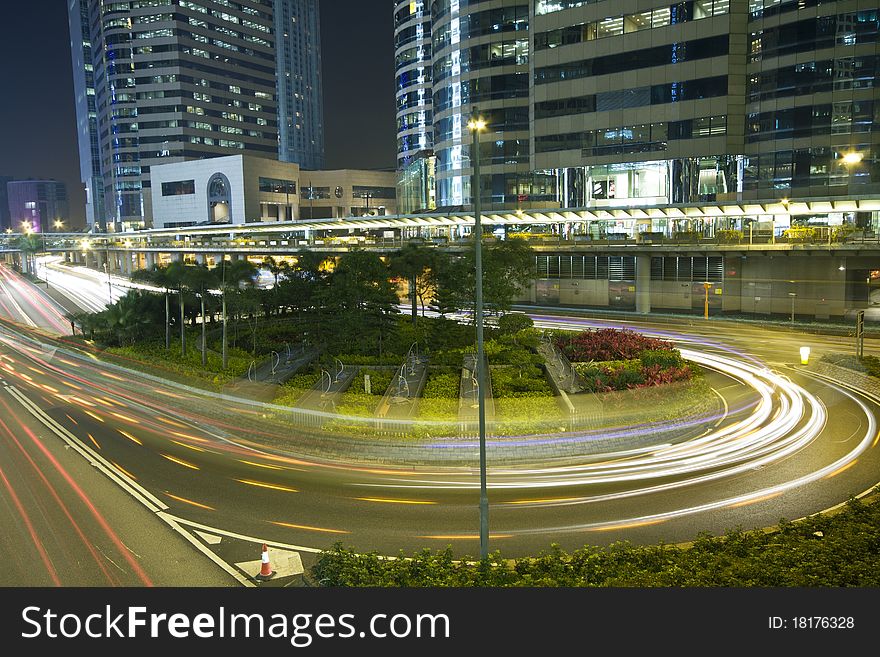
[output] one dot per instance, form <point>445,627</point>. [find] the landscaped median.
<point>838,549</point>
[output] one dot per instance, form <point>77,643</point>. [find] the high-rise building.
<point>86,112</point>
<point>5,220</point>
<point>38,205</point>
<point>177,80</point>
<point>300,99</point>
<point>413,68</point>
<point>480,55</point>
<point>594,102</point>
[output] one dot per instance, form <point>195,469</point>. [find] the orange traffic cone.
<point>266,571</point>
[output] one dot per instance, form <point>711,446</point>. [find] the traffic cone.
<point>266,571</point>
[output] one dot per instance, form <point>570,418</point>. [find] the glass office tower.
<point>300,99</point>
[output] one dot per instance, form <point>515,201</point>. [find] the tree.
<point>415,263</point>
<point>359,301</point>
<point>158,275</point>
<point>275,267</point>
<point>201,279</point>
<point>29,245</point>
<point>508,267</point>
<point>232,277</point>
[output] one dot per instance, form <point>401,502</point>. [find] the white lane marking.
<point>134,489</point>
<point>244,537</point>
<point>210,539</point>
<point>140,493</point>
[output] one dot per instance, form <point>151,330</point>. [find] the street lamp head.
<point>85,245</point>
<point>476,124</point>
<point>853,157</point>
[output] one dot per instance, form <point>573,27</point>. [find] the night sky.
<point>37,116</point>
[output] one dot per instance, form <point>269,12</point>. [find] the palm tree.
<point>158,276</point>
<point>201,278</point>
<point>176,273</point>
<point>275,267</point>
<point>232,276</point>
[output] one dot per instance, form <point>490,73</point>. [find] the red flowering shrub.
<point>614,359</point>
<point>608,344</point>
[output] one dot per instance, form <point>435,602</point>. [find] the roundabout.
<point>785,443</point>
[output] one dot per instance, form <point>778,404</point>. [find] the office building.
<point>39,206</point>
<point>179,80</point>
<point>593,102</point>
<point>5,221</point>
<point>300,99</point>
<point>86,113</point>
<point>243,189</point>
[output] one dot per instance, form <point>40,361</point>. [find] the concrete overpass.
<point>755,257</point>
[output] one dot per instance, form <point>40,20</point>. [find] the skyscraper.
<point>177,80</point>
<point>413,68</point>
<point>300,100</point>
<point>86,112</point>
<point>592,102</point>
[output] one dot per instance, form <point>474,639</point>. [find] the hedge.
<point>821,551</point>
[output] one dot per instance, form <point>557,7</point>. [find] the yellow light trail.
<point>311,529</point>
<point>463,537</point>
<point>50,389</point>
<point>130,437</point>
<point>174,459</point>
<point>72,420</point>
<point>173,423</point>
<point>876,439</point>
<point>186,501</point>
<point>92,438</point>
<point>167,394</point>
<point>548,500</point>
<point>188,437</point>
<point>263,484</point>
<point>71,385</point>
<point>626,525</point>
<point>261,465</point>
<point>123,470</point>
<point>111,376</point>
<point>81,401</point>
<point>754,501</point>
<point>385,500</point>
<point>841,469</point>
<point>93,415</point>
<point>125,418</point>
<point>192,447</point>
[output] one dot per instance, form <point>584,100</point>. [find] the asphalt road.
<point>214,466</point>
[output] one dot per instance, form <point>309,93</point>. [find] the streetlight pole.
<point>793,295</point>
<point>477,125</point>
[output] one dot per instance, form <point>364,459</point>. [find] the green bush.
<point>511,382</point>
<point>379,381</point>
<point>837,550</point>
<point>442,384</point>
<point>662,357</point>
<point>511,323</point>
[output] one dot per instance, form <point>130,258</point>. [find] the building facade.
<point>179,80</point>
<point>300,96</point>
<point>86,112</point>
<point>345,193</point>
<point>38,206</point>
<point>5,220</point>
<point>600,102</point>
<point>235,189</point>
<point>413,74</point>
<point>243,189</point>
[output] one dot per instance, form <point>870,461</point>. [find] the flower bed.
<point>613,359</point>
